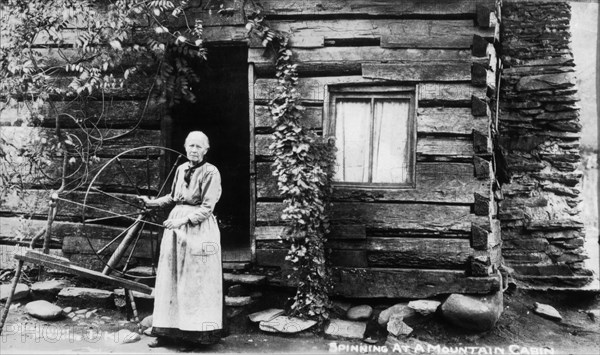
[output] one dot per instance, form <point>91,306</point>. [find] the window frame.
<point>371,92</point>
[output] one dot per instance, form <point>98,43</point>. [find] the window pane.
<point>352,127</point>
<point>391,141</point>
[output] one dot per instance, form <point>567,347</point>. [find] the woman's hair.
<point>198,135</point>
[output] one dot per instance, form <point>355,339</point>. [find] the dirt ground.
<point>519,331</point>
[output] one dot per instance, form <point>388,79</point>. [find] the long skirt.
<point>188,295</point>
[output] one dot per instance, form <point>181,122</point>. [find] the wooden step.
<point>245,279</point>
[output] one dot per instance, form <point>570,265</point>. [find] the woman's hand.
<point>147,201</point>
<point>175,223</point>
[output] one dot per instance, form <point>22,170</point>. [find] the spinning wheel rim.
<point>142,212</point>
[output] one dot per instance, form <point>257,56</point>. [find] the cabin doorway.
<point>221,112</point>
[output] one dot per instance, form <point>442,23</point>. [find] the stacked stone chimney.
<point>542,229</point>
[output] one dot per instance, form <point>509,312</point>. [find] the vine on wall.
<point>304,166</point>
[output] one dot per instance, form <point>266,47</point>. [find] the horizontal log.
<point>102,141</point>
<point>313,89</point>
<point>407,219</point>
<point>311,117</point>
<point>270,232</point>
<point>453,120</point>
<point>368,8</point>
<point>449,71</point>
<point>346,60</point>
<point>143,174</point>
<point>338,29</point>
<point>36,201</point>
<point>455,41</point>
<point>426,146</point>
<point>408,283</point>
<point>435,182</point>
<point>427,253</point>
<point>101,114</point>
<point>99,238</point>
<point>446,147</point>
<point>347,258</point>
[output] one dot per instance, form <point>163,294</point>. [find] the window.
<point>374,128</point>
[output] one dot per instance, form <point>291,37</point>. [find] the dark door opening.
<point>221,112</point>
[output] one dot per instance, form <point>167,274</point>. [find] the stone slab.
<point>339,328</point>
<point>21,291</point>
<point>285,324</point>
<point>265,315</point>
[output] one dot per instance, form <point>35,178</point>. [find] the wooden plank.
<point>427,253</point>
<point>23,136</point>
<point>111,114</point>
<point>62,265</point>
<point>406,219</point>
<point>345,60</point>
<point>312,89</point>
<point>347,258</point>
<point>408,283</point>
<point>270,232</point>
<point>251,163</point>
<point>449,71</point>
<point>341,29</point>
<point>312,117</point>
<point>455,41</point>
<point>341,8</point>
<point>435,182</point>
<point>452,120</point>
<point>446,147</point>
<point>348,232</point>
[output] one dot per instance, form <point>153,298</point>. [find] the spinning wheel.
<point>116,224</point>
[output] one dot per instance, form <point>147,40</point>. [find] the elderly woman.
<point>188,295</point>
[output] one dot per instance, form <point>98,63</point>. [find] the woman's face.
<point>195,150</point>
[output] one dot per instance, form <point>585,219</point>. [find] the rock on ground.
<point>346,329</point>
<point>401,309</point>
<point>474,312</point>
<point>397,327</point>
<point>146,322</point>
<point>266,315</point>
<point>83,296</point>
<point>48,289</point>
<point>547,311</point>
<point>362,312</point>
<point>21,291</point>
<point>594,314</point>
<point>45,310</point>
<point>424,307</point>
<point>284,324</point>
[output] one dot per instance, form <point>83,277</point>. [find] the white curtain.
<point>391,141</point>
<point>352,131</point>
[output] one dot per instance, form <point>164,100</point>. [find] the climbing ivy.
<point>304,166</point>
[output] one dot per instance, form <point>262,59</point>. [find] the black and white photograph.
<point>299,177</point>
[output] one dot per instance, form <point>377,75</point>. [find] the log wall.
<point>442,233</point>
<point>542,229</point>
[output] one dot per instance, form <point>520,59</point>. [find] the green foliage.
<point>304,167</point>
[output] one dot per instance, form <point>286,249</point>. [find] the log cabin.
<point>427,126</point>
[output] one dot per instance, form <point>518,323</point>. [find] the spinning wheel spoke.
<point>169,175</point>
<point>95,189</point>
<point>110,217</point>
<point>128,177</point>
